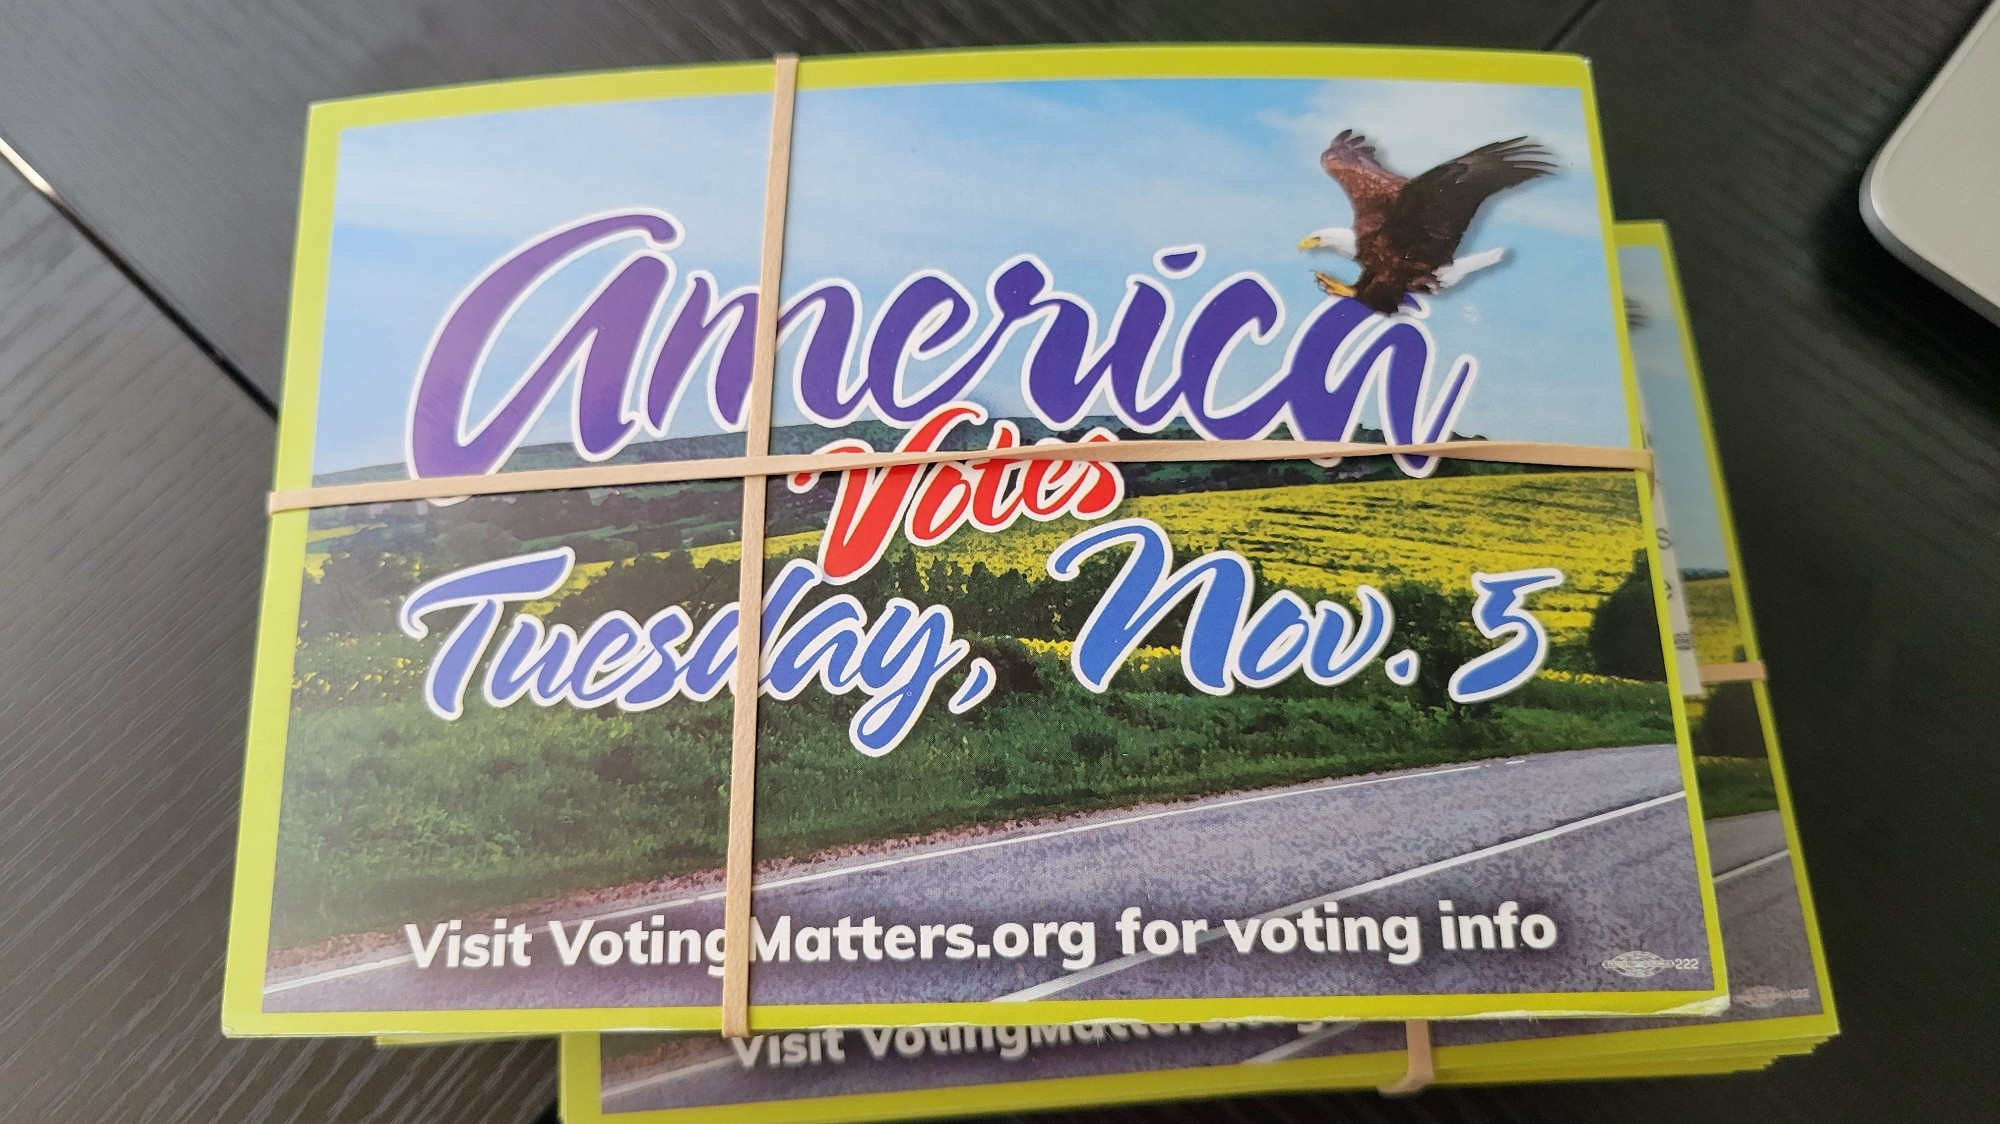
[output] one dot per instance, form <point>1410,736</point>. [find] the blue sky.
<point>421,208</point>
<point>1092,177</point>
<point>1678,438</point>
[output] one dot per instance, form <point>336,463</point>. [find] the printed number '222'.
<point>1498,613</point>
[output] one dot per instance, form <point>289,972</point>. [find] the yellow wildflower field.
<point>1718,635</point>
<point>1322,540</point>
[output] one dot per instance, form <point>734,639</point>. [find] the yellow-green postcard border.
<point>580,1102</point>
<point>1548,1059</point>
<point>263,781</point>
<point>1656,566</point>
<point>1654,235</point>
<point>1753,1048</point>
<point>1663,1051</point>
<point>768,1017</point>
<point>1699,1067</point>
<point>263,778</point>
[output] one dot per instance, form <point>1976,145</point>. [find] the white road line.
<point>337,973</point>
<point>764,884</point>
<point>611,1091</point>
<point>1064,983</point>
<point>768,884</point>
<point>1755,864</point>
<point>1301,1044</point>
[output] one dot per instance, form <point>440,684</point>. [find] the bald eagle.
<point>1406,231</point>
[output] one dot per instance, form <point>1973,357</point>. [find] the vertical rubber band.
<point>1422,1069</point>
<point>741,859</point>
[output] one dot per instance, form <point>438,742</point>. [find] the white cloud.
<point>510,175</point>
<point>1120,192</point>
<point>1416,125</point>
<point>1093,177</point>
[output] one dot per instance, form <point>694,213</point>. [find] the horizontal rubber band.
<point>1152,450</point>
<point>1748,671</point>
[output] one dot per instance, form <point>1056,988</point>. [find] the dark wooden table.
<point>141,318</point>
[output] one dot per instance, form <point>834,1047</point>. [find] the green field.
<point>1718,634</point>
<point>1323,540</point>
<point>391,814</point>
<point>1735,786</point>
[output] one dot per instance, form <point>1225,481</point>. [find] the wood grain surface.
<point>131,540</point>
<point>1858,410</point>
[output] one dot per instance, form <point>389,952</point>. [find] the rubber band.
<point>757,465</point>
<point>740,863</point>
<point>1545,453</point>
<point>1421,1067</point>
<point>1747,671</point>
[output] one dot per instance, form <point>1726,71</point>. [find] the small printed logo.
<point>1764,995</point>
<point>1638,965</point>
<point>1644,965</point>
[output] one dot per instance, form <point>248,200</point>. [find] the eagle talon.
<point>1332,286</point>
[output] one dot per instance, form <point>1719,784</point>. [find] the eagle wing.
<point>1431,213</point>
<point>1370,187</point>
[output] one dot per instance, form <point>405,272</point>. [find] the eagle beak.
<point>1309,242</point>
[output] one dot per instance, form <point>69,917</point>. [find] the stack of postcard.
<point>1247,653</point>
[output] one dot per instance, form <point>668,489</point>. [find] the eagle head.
<point>1334,239</point>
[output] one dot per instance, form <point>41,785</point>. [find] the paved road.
<point>1763,936</point>
<point>1595,839</point>
<point>1762,929</point>
<point>1764,933</point>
